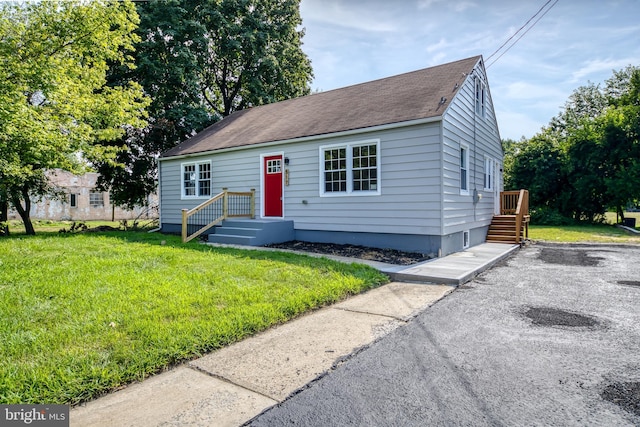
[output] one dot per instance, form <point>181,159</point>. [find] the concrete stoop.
<point>252,232</point>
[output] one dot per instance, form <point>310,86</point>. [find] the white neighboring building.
<point>82,202</point>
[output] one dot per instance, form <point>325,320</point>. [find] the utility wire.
<point>521,35</point>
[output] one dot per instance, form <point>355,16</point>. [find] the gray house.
<point>411,162</point>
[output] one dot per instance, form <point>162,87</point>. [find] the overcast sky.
<point>577,41</point>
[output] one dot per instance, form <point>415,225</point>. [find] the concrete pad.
<point>180,397</point>
<point>456,268</point>
<point>399,300</point>
<point>284,359</point>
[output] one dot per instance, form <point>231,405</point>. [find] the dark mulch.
<point>390,256</point>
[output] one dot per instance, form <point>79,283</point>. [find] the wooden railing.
<point>228,204</point>
<point>517,203</point>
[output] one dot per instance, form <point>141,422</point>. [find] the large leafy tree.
<point>55,105</point>
<point>588,159</point>
<point>200,60</point>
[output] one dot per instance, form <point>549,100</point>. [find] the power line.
<point>520,29</point>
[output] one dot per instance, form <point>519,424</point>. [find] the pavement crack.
<point>236,383</point>
<point>403,319</point>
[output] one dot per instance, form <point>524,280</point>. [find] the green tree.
<point>55,105</point>
<point>200,60</point>
<point>537,166</point>
<point>621,139</point>
<point>588,159</point>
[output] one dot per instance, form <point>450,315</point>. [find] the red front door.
<point>273,186</point>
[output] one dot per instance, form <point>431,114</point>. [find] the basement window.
<point>465,239</point>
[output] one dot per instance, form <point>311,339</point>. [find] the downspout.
<point>159,199</point>
<point>475,189</point>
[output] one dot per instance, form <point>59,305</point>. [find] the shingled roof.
<point>410,96</point>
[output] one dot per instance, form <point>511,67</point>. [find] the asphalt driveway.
<point>549,337</point>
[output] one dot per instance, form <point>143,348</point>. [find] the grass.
<point>82,314</point>
<point>50,226</point>
<point>582,233</point>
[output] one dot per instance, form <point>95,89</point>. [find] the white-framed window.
<point>196,179</point>
<point>489,173</point>
<point>480,97</point>
<point>464,169</point>
<point>352,168</point>
<point>465,239</point>
<point>96,199</point>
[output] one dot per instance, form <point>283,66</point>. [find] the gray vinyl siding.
<point>409,173</point>
<point>409,202</point>
<point>459,211</point>
<point>237,171</point>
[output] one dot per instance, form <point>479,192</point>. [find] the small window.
<point>489,173</point>
<point>464,170</point>
<point>480,97</point>
<point>465,239</point>
<point>96,200</point>
<point>196,179</point>
<point>73,200</point>
<point>274,166</point>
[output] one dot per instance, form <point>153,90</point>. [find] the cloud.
<point>456,6</point>
<point>356,16</point>
<point>523,90</point>
<point>600,66</point>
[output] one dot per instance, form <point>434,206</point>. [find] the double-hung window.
<point>489,173</point>
<point>350,169</point>
<point>96,199</point>
<point>464,169</point>
<point>196,179</point>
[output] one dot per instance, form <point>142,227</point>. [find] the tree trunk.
<point>24,211</point>
<point>620,213</point>
<point>4,217</point>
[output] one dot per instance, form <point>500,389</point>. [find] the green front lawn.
<point>82,314</point>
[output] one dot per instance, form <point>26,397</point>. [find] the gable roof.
<point>410,96</point>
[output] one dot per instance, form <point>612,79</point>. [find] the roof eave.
<point>377,128</point>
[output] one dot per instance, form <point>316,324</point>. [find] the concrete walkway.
<point>232,385</point>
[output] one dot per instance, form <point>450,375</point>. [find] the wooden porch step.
<point>503,229</point>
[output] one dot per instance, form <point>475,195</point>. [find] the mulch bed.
<point>390,256</point>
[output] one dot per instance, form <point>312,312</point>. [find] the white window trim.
<point>195,196</point>
<point>489,166</point>
<point>350,192</point>
<point>465,239</point>
<point>464,192</point>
